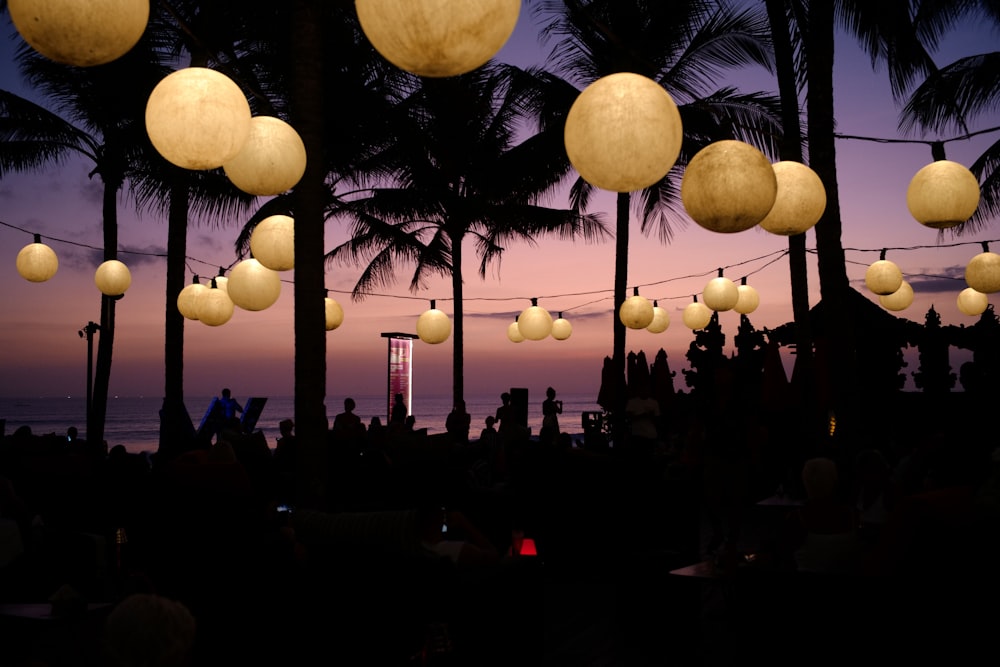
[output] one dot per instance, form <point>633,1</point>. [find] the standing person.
<point>347,424</point>
<point>458,423</point>
<point>503,414</point>
<point>551,409</point>
<point>397,417</point>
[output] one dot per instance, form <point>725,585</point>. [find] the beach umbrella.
<point>661,380</point>
<point>612,385</point>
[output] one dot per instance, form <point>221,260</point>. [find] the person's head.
<point>505,398</point>
<point>376,422</point>
<point>349,405</point>
<point>490,421</point>
<point>226,393</point>
<point>410,421</point>
<point>550,392</point>
<point>399,398</point>
<point>286,426</point>
<point>72,433</point>
<point>147,629</point>
<point>819,476</point>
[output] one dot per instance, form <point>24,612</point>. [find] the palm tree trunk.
<point>310,323</point>
<point>621,285</point>
<point>105,346</point>
<point>458,335</point>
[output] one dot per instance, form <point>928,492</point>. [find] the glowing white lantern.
<point>37,262</point>
<point>696,315</point>
<point>222,282</point>
<point>636,312</point>
<point>883,277</point>
<point>334,314</point>
<point>661,320</point>
<point>438,38</point>
<point>215,308</point>
<point>272,159</point>
<point>433,326</point>
<point>728,186</point>
<point>272,242</point>
<point>112,278</point>
<point>253,286</point>
<point>623,132</point>
<point>800,201</point>
<point>748,299</point>
<point>720,294</point>
<point>561,328</point>
<point>187,299</point>
<point>514,333</point>
<point>898,300</point>
<point>534,322</point>
<point>983,272</point>
<point>971,302</point>
<point>942,194</point>
<point>80,33</point>
<point>197,118</point>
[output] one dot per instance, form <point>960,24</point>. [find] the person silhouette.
<point>230,406</point>
<point>458,423</point>
<point>399,412</point>
<point>551,409</point>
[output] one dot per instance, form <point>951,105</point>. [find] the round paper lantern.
<point>971,302</point>
<point>433,326</point>
<point>197,118</point>
<point>253,286</point>
<point>661,320</point>
<point>983,273</point>
<point>728,186</point>
<point>636,312</point>
<point>720,294</point>
<point>272,242</point>
<point>438,38</point>
<point>561,328</point>
<point>748,300</point>
<point>697,316</point>
<point>534,322</point>
<point>215,308</point>
<point>942,194</point>
<point>80,33</point>
<point>334,314</point>
<point>272,159</point>
<point>514,333</point>
<point>187,299</point>
<point>883,277</point>
<point>222,283</point>
<point>37,262</point>
<point>112,278</point>
<point>800,201</point>
<point>623,132</point>
<point>898,300</point>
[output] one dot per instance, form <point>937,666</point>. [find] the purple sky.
<point>41,354</point>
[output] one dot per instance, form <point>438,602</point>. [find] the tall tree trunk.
<point>106,342</point>
<point>175,425</point>
<point>310,322</point>
<point>458,332</point>
<point>621,286</point>
<point>838,329</point>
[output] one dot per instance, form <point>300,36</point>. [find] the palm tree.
<point>455,170</point>
<point>685,47</point>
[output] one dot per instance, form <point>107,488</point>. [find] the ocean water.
<point>135,423</point>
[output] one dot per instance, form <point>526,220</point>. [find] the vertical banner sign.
<point>400,366</point>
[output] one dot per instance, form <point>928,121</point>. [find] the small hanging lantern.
<point>561,328</point>
<point>197,118</point>
<point>514,332</point>
<point>728,186</point>
<point>901,299</point>
<point>112,278</point>
<point>77,33</point>
<point>272,160</point>
<point>636,312</point>
<point>221,281</point>
<point>534,323</point>
<point>942,194</point>
<point>253,286</point>
<point>334,314</point>
<point>983,271</point>
<point>433,326</point>
<point>272,242</point>
<point>187,299</point>
<point>696,315</point>
<point>720,294</point>
<point>800,202</point>
<point>215,308</point>
<point>661,320</point>
<point>623,132</point>
<point>971,302</point>
<point>748,299</point>
<point>883,277</point>
<point>438,38</point>
<point>37,262</point>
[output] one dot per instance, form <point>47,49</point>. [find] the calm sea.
<point>134,421</point>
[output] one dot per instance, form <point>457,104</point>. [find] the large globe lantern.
<point>514,334</point>
<point>883,277</point>
<point>187,299</point>
<point>534,322</point>
<point>215,308</point>
<point>433,326</point>
<point>901,299</point>
<point>112,278</point>
<point>696,315</point>
<point>272,242</point>
<point>661,320</point>
<point>720,294</point>
<point>37,262</point>
<point>748,298</point>
<point>334,313</point>
<point>636,312</point>
<point>800,201</point>
<point>272,160</point>
<point>942,194</point>
<point>971,302</point>
<point>561,328</point>
<point>982,273</point>
<point>728,186</point>
<point>253,286</point>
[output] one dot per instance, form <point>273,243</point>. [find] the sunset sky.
<point>42,355</point>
